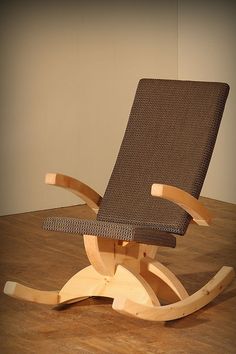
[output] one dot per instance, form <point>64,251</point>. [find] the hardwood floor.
<point>46,260</point>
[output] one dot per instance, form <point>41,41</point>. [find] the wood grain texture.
<point>186,201</point>
<point>82,190</point>
<point>105,253</point>
<point>46,260</point>
<point>181,308</point>
<point>88,282</point>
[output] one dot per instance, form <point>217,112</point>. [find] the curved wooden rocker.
<point>169,139</point>
<point>181,308</point>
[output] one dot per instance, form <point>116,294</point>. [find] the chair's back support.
<point>169,139</point>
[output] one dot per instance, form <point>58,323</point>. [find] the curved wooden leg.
<point>181,308</point>
<point>100,252</point>
<point>88,282</point>
<point>105,254</point>
<point>23,292</point>
<point>164,283</point>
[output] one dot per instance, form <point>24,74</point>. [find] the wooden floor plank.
<point>46,260</point>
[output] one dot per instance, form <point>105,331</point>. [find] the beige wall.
<point>70,77</point>
<point>207,51</point>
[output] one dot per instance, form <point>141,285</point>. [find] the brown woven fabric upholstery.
<point>169,139</point>
<point>119,231</point>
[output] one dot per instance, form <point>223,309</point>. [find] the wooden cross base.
<point>128,273</point>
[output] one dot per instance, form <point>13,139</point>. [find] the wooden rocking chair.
<point>151,198</point>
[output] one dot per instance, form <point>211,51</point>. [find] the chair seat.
<point>119,231</point>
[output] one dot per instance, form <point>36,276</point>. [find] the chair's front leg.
<point>105,254</point>
<point>100,252</point>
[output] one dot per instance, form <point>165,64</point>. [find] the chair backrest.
<point>169,139</point>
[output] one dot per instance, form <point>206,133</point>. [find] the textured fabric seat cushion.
<point>108,229</point>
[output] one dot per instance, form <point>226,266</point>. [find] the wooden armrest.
<point>185,200</point>
<point>87,194</point>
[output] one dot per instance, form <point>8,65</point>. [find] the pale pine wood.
<point>131,254</point>
<point>126,273</point>
<point>82,190</point>
<point>132,288</point>
<point>182,308</point>
<point>105,253</point>
<point>100,252</point>
<point>191,205</point>
<point>89,326</point>
<point>23,292</point>
<point>88,282</point>
<point>169,280</point>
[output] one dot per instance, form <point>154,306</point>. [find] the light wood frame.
<point>127,271</point>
